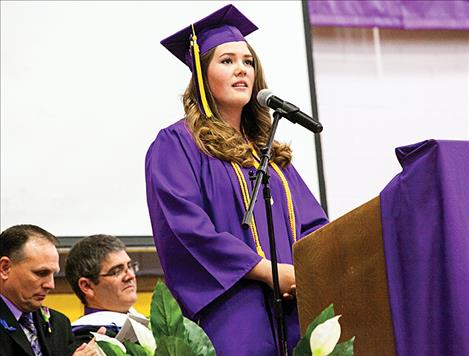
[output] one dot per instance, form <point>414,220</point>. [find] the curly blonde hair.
<point>215,137</point>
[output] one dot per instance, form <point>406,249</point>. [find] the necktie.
<point>27,324</point>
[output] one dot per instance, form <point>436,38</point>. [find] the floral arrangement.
<point>170,333</point>
<point>322,335</point>
<point>169,329</point>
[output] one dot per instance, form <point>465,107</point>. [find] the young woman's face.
<point>230,75</point>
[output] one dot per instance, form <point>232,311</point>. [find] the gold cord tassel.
<point>198,73</point>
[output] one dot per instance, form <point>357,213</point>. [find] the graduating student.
<point>197,175</point>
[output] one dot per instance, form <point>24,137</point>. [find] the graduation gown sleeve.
<point>200,261</point>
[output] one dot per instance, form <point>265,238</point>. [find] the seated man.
<point>28,262</point>
<point>102,275</point>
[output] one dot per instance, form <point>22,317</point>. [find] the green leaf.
<point>165,314</point>
<point>326,314</point>
<point>173,346</point>
<point>303,348</point>
<point>110,349</point>
<point>197,339</point>
<point>136,349</point>
<point>344,349</point>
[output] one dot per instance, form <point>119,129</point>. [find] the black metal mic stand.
<point>262,176</point>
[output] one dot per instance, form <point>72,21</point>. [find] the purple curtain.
<point>401,14</point>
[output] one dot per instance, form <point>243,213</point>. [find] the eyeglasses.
<point>118,270</point>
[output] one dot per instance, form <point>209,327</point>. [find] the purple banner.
<point>401,14</point>
<point>425,225</point>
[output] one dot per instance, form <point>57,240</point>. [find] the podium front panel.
<point>343,263</point>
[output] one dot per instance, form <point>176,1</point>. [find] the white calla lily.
<point>102,337</point>
<point>144,335</point>
<point>325,336</point>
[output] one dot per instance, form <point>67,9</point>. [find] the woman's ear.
<point>86,286</point>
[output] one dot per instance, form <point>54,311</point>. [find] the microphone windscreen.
<point>263,96</point>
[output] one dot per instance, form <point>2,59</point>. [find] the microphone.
<point>265,97</point>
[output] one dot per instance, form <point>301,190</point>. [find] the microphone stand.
<point>262,176</point>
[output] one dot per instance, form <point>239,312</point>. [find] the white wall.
<point>85,88</point>
<point>380,89</point>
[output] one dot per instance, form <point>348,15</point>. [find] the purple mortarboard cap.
<point>227,24</point>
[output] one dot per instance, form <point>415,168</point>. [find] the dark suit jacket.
<point>59,342</point>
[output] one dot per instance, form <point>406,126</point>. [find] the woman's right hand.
<point>286,275</point>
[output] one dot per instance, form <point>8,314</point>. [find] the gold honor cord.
<point>286,187</point>
<point>245,192</point>
<point>198,73</point>
<point>246,198</point>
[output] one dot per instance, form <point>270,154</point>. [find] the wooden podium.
<point>343,263</point>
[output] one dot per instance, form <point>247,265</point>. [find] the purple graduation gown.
<point>196,208</point>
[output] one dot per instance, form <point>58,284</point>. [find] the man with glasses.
<point>102,275</point>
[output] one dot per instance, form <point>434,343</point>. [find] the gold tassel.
<point>198,73</point>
